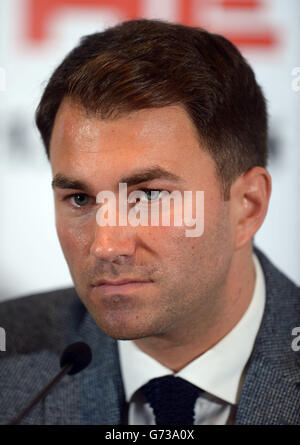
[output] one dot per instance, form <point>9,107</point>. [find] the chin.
<point>125,317</point>
<point>123,327</point>
<point>122,333</point>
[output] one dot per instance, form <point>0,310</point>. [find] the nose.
<point>113,244</point>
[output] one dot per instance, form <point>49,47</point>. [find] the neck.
<point>177,348</point>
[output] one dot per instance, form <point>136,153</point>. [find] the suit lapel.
<point>271,389</point>
<point>268,397</point>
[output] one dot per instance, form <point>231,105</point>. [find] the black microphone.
<point>74,359</point>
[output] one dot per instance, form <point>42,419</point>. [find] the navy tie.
<point>172,400</point>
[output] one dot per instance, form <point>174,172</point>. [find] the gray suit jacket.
<point>40,326</point>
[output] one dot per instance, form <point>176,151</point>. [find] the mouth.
<point>109,288</point>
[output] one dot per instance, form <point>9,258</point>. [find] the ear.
<point>249,200</point>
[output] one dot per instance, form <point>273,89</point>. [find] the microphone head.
<point>78,354</point>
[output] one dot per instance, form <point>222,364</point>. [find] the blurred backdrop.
<point>36,34</point>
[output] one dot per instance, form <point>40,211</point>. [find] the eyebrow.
<point>61,181</point>
<point>149,174</point>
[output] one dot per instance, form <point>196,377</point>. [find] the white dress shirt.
<point>219,371</point>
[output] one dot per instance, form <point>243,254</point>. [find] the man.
<point>183,329</point>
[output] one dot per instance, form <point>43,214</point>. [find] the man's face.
<point>177,282</point>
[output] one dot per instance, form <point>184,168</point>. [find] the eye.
<point>79,199</point>
<point>151,194</point>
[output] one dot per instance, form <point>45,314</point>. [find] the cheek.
<point>173,248</point>
<point>194,254</point>
<point>74,237</point>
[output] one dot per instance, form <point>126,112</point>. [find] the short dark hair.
<point>150,63</point>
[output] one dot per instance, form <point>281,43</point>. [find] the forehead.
<point>164,136</point>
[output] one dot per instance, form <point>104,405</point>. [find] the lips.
<point>110,288</point>
<point>119,282</point>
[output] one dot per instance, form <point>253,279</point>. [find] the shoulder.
<point>39,321</point>
<point>270,392</point>
<point>38,328</point>
<point>276,280</point>
<point>282,314</point>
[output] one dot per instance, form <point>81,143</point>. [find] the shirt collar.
<point>219,370</point>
